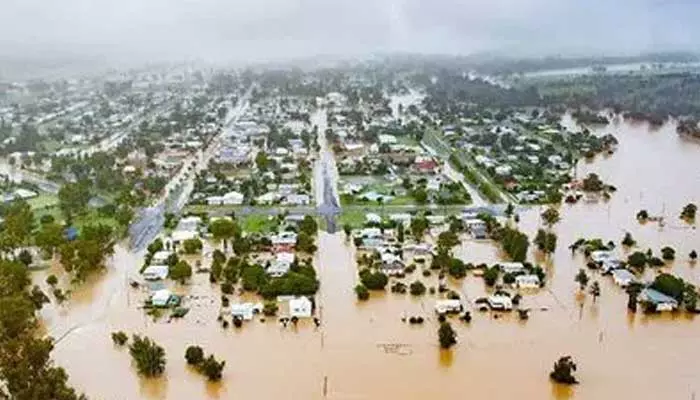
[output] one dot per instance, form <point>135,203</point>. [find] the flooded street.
<point>364,351</point>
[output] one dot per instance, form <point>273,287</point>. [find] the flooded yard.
<point>364,351</point>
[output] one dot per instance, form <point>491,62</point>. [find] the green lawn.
<point>44,200</point>
<point>354,217</point>
<point>256,223</point>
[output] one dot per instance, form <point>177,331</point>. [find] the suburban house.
<point>500,302</point>
<point>161,298</point>
<point>281,264</point>
<point>512,267</point>
<point>231,198</point>
<point>623,277</point>
<point>245,311</point>
<point>155,272</point>
<point>160,257</point>
<point>391,263</point>
<point>527,281</point>
<point>448,306</point>
<point>300,307</point>
<point>661,301</point>
<point>296,199</point>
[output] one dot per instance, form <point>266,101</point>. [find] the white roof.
<point>300,307</point>
<point>160,256</point>
<point>447,305</point>
<point>243,310</point>
<point>155,272</point>
<point>511,266</point>
<point>161,297</point>
<point>180,236</point>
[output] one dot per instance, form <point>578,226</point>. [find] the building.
<point>623,277</point>
<point>281,264</point>
<point>391,263</point>
<point>448,306</point>
<point>512,267</point>
<point>244,311</point>
<point>156,272</point>
<point>300,307</point>
<point>527,281</point>
<point>161,298</point>
<point>661,301</point>
<point>500,302</point>
<point>160,257</point>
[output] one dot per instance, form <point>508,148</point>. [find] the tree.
<point>417,288</point>
<point>148,356</point>
<point>212,369</point>
<point>270,309</point>
<point>642,215</point>
<point>180,272</point>
<point>582,279</point>
<point>194,355</point>
<point>693,255</point>
<point>418,227</point>
<point>456,268</point>
<point>347,228</point>
<point>514,243</point>
<point>446,335</point>
<point>373,280</point>
<point>491,276</point>
<point>192,246</point>
<point>668,253</point>
<point>447,239</point>
<point>637,260</point>
<point>51,280</point>
<point>509,210</point>
<point>563,371</point>
<point>25,257</point>
<point>689,211</point>
<point>223,229</point>
<point>305,243</point>
<point>88,252</point>
<point>546,241</point>
<point>595,290</point>
<point>17,226</point>
<point>550,217</point>
<point>669,285</point>
<point>420,195</point>
<point>628,241</point>
<point>361,292</point>
<point>261,161</point>
<point>308,225</point>
<point>155,246</point>
<point>592,183</point>
<point>73,199</point>
<point>120,338</point>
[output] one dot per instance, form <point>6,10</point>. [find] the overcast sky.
<point>240,30</point>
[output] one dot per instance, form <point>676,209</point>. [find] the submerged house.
<point>661,301</point>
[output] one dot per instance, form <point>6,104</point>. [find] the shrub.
<point>212,369</point>
<point>227,288</point>
<point>446,335</point>
<point>373,280</point>
<point>491,276</point>
<point>417,288</point>
<point>148,355</point>
<point>270,309</point>
<point>120,338</point>
<point>668,253</point>
<point>563,371</point>
<point>361,292</point>
<point>194,355</point>
<point>51,280</point>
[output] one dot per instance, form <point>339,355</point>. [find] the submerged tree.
<point>550,217</point>
<point>582,279</point>
<point>194,355</point>
<point>563,371</point>
<point>148,355</point>
<point>446,335</point>
<point>595,290</point>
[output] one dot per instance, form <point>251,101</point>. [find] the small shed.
<point>300,307</point>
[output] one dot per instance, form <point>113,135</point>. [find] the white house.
<point>373,218</point>
<point>159,257</point>
<point>160,298</point>
<point>232,198</point>
<point>297,199</point>
<point>600,256</point>
<point>527,281</point>
<point>512,267</point>
<point>281,264</point>
<point>503,170</point>
<point>155,272</point>
<point>386,139</point>
<point>447,306</point>
<point>267,198</point>
<point>500,302</point>
<point>300,307</point>
<point>243,311</point>
<point>623,277</point>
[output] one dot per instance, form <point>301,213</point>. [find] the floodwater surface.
<point>364,351</point>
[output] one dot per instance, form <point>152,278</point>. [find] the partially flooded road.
<point>364,351</point>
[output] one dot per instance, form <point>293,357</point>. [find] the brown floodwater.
<point>364,351</point>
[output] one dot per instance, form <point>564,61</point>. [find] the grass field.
<point>257,223</point>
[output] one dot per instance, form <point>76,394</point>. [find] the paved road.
<point>325,175</point>
<point>149,222</point>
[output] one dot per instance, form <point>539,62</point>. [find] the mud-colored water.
<point>364,351</point>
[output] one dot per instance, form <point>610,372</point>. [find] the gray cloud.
<point>240,30</point>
